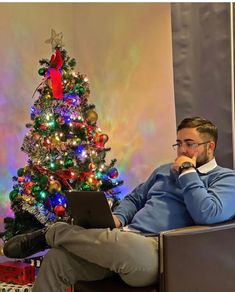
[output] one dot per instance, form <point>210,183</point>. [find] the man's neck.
<point>205,168</point>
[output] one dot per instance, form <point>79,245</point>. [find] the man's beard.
<point>203,159</point>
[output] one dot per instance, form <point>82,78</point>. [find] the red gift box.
<point>17,273</point>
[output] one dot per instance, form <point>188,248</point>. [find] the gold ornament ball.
<point>55,141</point>
<point>54,186</point>
<point>92,166</point>
<point>47,96</point>
<point>76,141</point>
<point>91,117</point>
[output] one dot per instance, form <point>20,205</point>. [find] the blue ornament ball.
<point>113,173</point>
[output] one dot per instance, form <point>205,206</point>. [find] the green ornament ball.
<point>36,189</point>
<point>76,88</point>
<point>41,196</point>
<point>53,165</point>
<point>43,181</point>
<point>13,195</point>
<point>20,172</point>
<point>42,71</point>
<point>68,163</point>
<point>81,90</point>
<point>86,187</point>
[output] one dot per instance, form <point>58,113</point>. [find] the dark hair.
<point>202,125</point>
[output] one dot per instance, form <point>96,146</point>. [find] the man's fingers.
<point>194,158</point>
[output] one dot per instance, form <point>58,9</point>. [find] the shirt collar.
<point>205,168</point>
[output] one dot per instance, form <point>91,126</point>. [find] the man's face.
<point>188,140</point>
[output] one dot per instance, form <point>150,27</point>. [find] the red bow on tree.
<point>56,63</point>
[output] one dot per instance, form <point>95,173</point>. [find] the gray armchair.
<point>192,259</point>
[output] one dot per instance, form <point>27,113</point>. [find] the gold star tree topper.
<point>55,40</point>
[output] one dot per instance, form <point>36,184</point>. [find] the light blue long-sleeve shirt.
<point>167,201</point>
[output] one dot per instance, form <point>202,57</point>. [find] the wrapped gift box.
<point>17,273</point>
<point>6,287</point>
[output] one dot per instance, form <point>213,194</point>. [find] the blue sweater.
<point>167,201</point>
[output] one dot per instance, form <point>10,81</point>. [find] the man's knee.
<point>55,256</point>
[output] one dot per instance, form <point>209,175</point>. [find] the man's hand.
<point>117,222</point>
<point>181,159</point>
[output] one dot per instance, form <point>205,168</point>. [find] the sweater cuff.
<point>188,171</point>
<point>189,179</point>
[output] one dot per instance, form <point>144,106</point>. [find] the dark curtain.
<point>202,68</point>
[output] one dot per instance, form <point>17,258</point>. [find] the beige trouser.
<point>94,254</point>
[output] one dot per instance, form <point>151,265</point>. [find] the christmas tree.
<point>65,147</point>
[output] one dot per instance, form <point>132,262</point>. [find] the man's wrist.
<point>186,166</point>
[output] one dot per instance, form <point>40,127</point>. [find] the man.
<point>191,190</point>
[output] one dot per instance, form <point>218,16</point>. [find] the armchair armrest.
<point>198,258</point>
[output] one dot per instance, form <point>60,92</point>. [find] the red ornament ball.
<point>100,140</point>
<point>59,210</point>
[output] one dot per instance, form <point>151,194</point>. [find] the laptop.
<point>89,209</point>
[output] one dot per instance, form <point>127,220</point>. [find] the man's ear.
<point>211,146</point>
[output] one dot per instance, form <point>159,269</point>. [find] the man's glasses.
<point>188,144</point>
